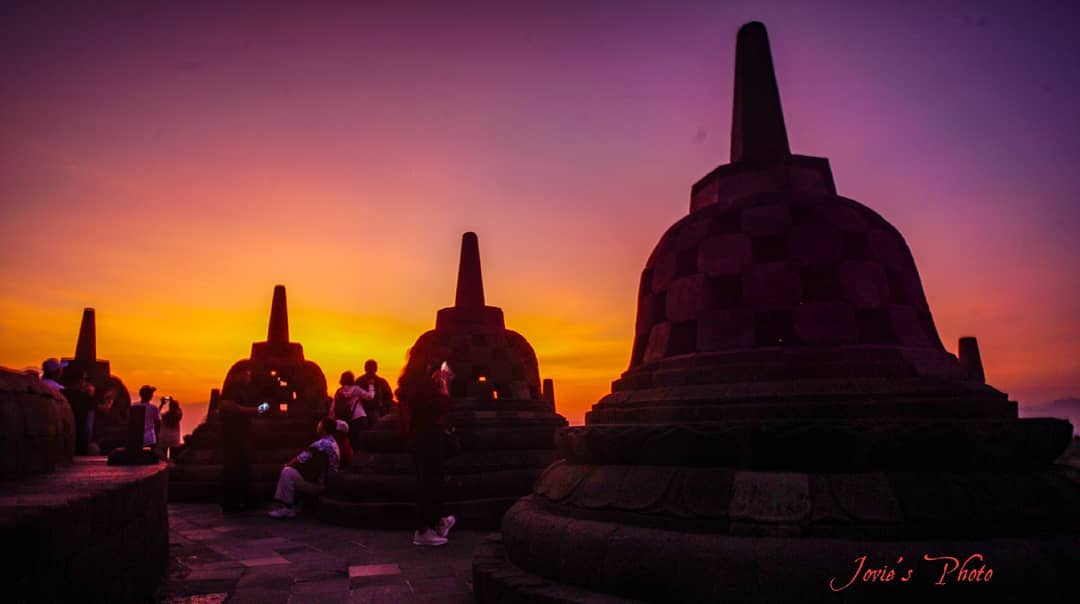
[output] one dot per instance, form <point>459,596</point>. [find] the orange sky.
<point>170,166</point>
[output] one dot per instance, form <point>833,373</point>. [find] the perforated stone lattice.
<point>780,269</point>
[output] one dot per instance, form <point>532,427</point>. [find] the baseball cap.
<point>51,364</point>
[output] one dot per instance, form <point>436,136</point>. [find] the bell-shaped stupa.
<point>504,422</point>
<point>276,373</point>
<point>789,407</point>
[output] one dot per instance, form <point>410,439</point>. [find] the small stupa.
<point>277,374</point>
<point>504,416</point>
<point>789,409</point>
<point>111,427</point>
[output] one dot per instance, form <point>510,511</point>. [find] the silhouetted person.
<point>424,401</point>
<point>152,421</point>
<point>169,435</point>
<point>81,398</point>
<point>51,373</point>
<point>349,405</point>
<point>237,490</point>
<point>384,395</point>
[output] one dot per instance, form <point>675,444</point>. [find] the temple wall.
<point>87,533</point>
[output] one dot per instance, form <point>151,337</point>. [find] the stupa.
<point>111,427</point>
<point>505,424</point>
<point>789,408</point>
<point>276,373</point>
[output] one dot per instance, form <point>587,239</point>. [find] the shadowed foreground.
<point>253,558</point>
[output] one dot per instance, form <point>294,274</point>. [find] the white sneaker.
<point>283,512</point>
<point>445,524</point>
<point>428,538</point>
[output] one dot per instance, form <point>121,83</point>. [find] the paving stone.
<point>255,595</point>
<point>373,574</point>
<point>268,561</point>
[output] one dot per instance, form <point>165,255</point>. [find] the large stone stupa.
<point>504,416</point>
<point>276,373</point>
<point>788,408</point>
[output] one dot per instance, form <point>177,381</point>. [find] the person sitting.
<point>344,446</point>
<point>306,473</point>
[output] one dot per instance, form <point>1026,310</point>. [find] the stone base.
<point>88,533</point>
<point>506,444</point>
<point>472,514</point>
<point>197,473</point>
<point>133,457</point>
<point>547,557</point>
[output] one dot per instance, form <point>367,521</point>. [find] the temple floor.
<point>249,557</point>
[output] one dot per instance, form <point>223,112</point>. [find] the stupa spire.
<point>86,347</point>
<point>757,124</point>
<point>470,284</point>
<point>278,332</point>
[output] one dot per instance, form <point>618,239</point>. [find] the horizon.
<point>169,165</point>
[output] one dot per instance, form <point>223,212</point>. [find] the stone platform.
<point>251,558</point>
<point>197,475</point>
<point>88,532</point>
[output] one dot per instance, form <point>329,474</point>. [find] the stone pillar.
<point>549,392</point>
<point>135,428</point>
<point>215,398</point>
<point>970,359</point>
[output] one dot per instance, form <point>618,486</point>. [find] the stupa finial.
<point>278,331</point>
<point>470,284</point>
<point>757,125</point>
<point>86,346</point>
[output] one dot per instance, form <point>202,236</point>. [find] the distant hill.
<point>1064,408</point>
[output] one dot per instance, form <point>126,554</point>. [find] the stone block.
<point>725,254</point>
<point>770,497</point>
<point>863,283</point>
<point>771,286</point>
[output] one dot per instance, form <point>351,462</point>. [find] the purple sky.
<point>221,148</point>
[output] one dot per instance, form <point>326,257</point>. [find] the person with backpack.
<point>348,406</point>
<point>306,473</point>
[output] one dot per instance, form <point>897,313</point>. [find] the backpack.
<point>342,408</point>
<point>314,468</point>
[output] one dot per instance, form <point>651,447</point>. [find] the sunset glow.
<point>169,164</point>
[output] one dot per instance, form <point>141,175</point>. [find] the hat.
<point>51,364</point>
<point>147,390</point>
<point>342,426</point>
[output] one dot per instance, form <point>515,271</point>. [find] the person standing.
<point>152,421</point>
<point>383,400</point>
<point>169,436</point>
<point>348,405</point>
<point>51,374</point>
<point>425,401</point>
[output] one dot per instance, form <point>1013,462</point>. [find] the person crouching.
<point>306,473</point>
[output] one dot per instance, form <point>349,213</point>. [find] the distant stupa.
<point>276,373</point>
<point>504,416</point>
<point>788,408</point>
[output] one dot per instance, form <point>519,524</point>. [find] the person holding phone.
<point>424,402</point>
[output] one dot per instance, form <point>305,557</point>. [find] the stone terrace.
<point>250,557</point>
